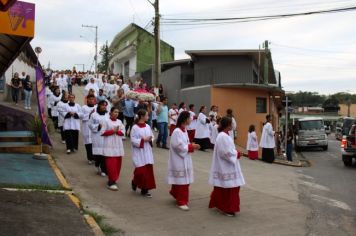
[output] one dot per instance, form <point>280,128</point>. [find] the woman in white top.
<point>225,173</point>
<point>252,143</point>
<point>113,131</point>
<point>142,156</point>
<point>202,132</point>
<point>180,166</point>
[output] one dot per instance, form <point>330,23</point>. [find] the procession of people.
<point>110,116</point>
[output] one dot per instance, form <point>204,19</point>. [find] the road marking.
<point>331,202</point>
<point>316,186</point>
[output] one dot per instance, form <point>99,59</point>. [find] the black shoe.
<point>133,186</point>
<point>158,145</point>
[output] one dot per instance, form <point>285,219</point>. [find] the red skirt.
<point>113,168</point>
<point>144,177</point>
<point>191,134</point>
<point>171,129</point>
<point>253,155</point>
<point>225,199</point>
<point>180,193</point>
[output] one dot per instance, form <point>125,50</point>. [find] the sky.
<point>313,53</point>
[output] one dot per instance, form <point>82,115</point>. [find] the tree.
<point>106,55</point>
<point>331,104</point>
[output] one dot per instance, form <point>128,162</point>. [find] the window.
<point>261,105</point>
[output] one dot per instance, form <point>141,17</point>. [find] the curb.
<point>74,199</point>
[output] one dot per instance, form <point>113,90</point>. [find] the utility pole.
<point>266,62</point>
<point>157,45</point>
<point>96,44</point>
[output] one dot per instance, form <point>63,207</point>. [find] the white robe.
<point>193,123</point>
<point>86,132</point>
<point>113,146</point>
<point>48,96</point>
<point>252,143</point>
<point>141,156</point>
<point>173,116</point>
<point>202,129</point>
<point>126,88</point>
<point>72,123</point>
<point>234,126</point>
<point>214,133</point>
<point>180,165</point>
<point>267,137</point>
<point>225,169</point>
<point>53,100</point>
<point>60,106</point>
<point>97,140</point>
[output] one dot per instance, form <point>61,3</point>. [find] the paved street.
<point>327,188</point>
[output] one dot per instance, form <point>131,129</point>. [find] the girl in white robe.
<point>113,131</point>
<point>193,124</point>
<point>225,174</point>
<point>95,124</point>
<point>202,132</point>
<point>252,143</point>
<point>60,107</point>
<point>88,110</point>
<point>180,166</point>
<point>71,126</point>
<point>142,156</point>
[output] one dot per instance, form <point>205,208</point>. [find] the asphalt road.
<point>328,189</point>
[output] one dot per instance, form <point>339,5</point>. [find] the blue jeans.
<point>289,151</point>
<point>28,95</point>
<point>162,133</point>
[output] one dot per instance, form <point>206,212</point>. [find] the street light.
<point>96,44</point>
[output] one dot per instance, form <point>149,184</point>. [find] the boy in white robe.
<point>53,100</point>
<point>225,174</point>
<point>142,156</point>
<point>172,116</point>
<point>87,111</point>
<point>71,125</point>
<point>113,131</point>
<point>60,106</point>
<point>193,123</point>
<point>252,143</point>
<point>180,166</point>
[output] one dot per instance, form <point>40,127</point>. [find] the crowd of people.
<point>109,117</point>
<point>21,88</point>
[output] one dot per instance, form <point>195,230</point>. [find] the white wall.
<point>19,66</point>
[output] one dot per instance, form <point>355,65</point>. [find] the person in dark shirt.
<point>15,87</point>
<point>27,87</point>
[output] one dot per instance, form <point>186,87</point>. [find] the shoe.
<point>133,186</point>
<point>64,142</point>
<point>113,187</point>
<point>103,174</point>
<point>158,145</point>
<point>229,214</point>
<point>68,151</point>
<point>183,207</point>
<point>165,147</point>
<point>98,170</point>
<point>90,162</point>
<point>148,195</point>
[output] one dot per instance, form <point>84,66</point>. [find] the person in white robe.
<point>53,100</point>
<point>113,132</point>
<point>91,85</point>
<point>87,111</point>
<point>202,132</point>
<point>95,124</point>
<point>60,106</point>
<point>225,173</point>
<point>142,156</point>
<point>193,123</point>
<point>180,166</point>
<point>267,141</point>
<point>252,143</point>
<point>49,106</point>
<point>232,132</point>
<point>215,131</point>
<point>172,117</point>
<point>71,126</point>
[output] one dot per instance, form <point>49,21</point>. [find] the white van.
<point>310,132</point>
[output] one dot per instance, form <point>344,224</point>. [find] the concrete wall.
<point>243,104</point>
<point>222,69</point>
<point>198,96</point>
<point>344,109</point>
<point>171,82</point>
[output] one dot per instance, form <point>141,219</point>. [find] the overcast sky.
<point>313,53</point>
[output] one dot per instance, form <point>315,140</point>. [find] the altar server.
<point>113,131</point>
<point>60,106</point>
<point>225,173</point>
<point>193,124</point>
<point>92,85</point>
<point>71,125</point>
<point>95,125</point>
<point>180,166</point>
<point>87,111</point>
<point>142,156</point>
<point>252,143</point>
<point>173,116</point>
<point>54,99</point>
<point>202,132</point>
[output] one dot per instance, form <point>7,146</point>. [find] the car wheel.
<point>325,148</point>
<point>347,160</point>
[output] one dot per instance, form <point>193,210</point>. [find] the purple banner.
<point>41,97</point>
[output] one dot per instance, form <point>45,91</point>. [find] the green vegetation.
<point>31,186</point>
<point>107,229</point>
<point>312,99</point>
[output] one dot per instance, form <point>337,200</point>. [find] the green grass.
<point>107,229</point>
<point>31,186</point>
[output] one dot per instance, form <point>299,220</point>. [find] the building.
<point>229,79</point>
<point>134,50</point>
<point>346,110</point>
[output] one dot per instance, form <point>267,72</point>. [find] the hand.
<point>148,139</point>
<point>116,129</point>
<point>196,146</point>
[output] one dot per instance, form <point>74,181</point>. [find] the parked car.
<point>310,132</point>
<point>348,146</point>
<point>343,127</point>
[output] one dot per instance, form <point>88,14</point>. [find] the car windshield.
<point>347,125</point>
<point>311,125</point>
